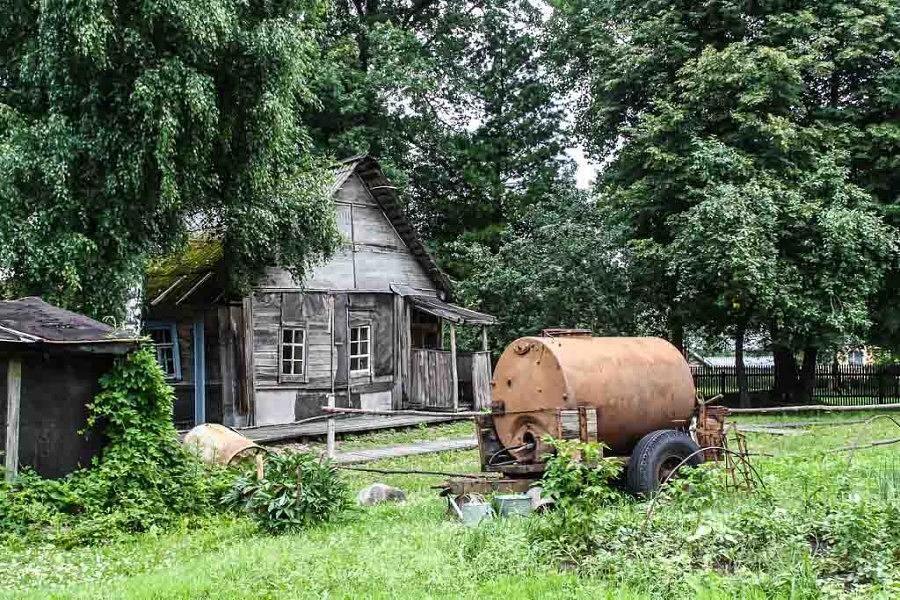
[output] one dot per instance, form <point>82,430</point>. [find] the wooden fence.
<point>845,385</point>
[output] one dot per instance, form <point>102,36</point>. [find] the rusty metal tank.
<point>637,385</point>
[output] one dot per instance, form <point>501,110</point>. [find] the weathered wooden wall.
<point>55,391</point>
<point>281,400</point>
<point>373,257</point>
<point>430,381</point>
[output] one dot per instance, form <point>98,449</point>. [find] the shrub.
<point>298,489</point>
<point>579,479</point>
<point>143,478</point>
<point>578,475</point>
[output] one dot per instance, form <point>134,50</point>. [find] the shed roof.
<point>181,274</point>
<point>32,321</point>
<point>443,310</point>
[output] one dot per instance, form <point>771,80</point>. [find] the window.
<point>165,342</point>
<point>360,350</point>
<point>857,357</point>
<point>293,342</point>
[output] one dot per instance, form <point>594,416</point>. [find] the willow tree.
<point>126,126</point>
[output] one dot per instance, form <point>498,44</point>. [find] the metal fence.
<point>846,385</point>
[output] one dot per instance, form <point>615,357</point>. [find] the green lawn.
<point>413,550</point>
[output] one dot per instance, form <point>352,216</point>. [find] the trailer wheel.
<point>654,457</point>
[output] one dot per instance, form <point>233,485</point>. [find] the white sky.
<point>585,170</point>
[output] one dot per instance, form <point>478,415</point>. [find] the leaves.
<point>299,489</point>
<point>125,126</point>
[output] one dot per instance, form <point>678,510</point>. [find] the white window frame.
<point>173,345</point>
<point>354,353</point>
<point>293,345</point>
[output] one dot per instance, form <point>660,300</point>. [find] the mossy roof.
<point>199,257</point>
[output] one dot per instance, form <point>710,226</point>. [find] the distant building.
<point>368,325</point>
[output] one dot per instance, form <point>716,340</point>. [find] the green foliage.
<point>578,475</point>
<point>746,146</point>
<point>557,266</point>
<point>298,489</point>
<point>144,478</point>
<point>454,100</point>
<point>579,480</point>
<point>123,125</point>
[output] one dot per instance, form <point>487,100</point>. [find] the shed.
<point>51,361</point>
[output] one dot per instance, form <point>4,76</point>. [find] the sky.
<point>585,170</point>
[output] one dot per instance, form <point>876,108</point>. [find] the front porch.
<point>440,376</point>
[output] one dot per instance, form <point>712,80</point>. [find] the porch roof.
<point>450,312</point>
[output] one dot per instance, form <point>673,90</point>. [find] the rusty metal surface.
<point>218,444</point>
<point>710,430</point>
<point>636,384</point>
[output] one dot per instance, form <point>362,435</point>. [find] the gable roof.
<point>385,194</point>
<point>32,321</point>
<point>177,277</point>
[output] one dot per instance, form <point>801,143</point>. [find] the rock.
<point>378,493</point>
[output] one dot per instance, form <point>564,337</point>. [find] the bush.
<point>579,479</point>
<point>143,478</point>
<point>298,489</point>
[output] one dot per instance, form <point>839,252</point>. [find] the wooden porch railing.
<point>431,379</point>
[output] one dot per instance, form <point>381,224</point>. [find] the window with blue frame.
<point>165,342</point>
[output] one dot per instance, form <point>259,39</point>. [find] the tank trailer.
<point>636,395</point>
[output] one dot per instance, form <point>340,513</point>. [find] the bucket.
<point>513,504</point>
<point>472,509</point>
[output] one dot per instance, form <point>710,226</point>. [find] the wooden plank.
<point>248,392</point>
<point>354,424</point>
<point>13,410</point>
<point>454,375</point>
<point>481,380</point>
<point>813,408</point>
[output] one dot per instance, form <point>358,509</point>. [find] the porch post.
<point>13,398</point>
<point>199,347</point>
<point>453,374</point>
<point>484,338</point>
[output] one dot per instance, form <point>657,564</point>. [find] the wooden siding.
<point>278,397</point>
<point>481,380</point>
<point>430,381</point>
<point>374,255</point>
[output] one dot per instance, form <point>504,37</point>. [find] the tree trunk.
<point>739,371</point>
<point>676,332</point>
<point>806,383</point>
<point>786,374</point>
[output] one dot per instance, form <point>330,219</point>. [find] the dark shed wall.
<point>56,389</point>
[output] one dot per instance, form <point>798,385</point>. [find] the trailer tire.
<point>655,455</point>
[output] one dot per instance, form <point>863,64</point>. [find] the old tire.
<point>655,455</point>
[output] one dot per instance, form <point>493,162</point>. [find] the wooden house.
<point>369,326</point>
<point>51,361</point>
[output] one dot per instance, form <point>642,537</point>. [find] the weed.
<point>298,489</point>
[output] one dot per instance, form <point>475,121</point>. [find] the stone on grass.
<point>378,493</point>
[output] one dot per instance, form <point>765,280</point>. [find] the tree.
<point>555,267</point>
<point>454,99</point>
<point>737,178</point>
<point>124,125</point>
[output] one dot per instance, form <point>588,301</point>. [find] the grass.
<point>414,550</point>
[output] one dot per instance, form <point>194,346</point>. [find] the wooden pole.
<point>454,376</point>
<point>484,338</point>
<point>813,408</point>
<point>13,400</point>
<point>397,413</point>
<point>329,425</point>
